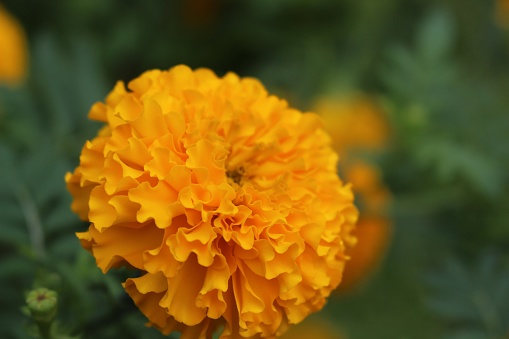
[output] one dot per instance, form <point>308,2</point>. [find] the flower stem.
<point>44,329</point>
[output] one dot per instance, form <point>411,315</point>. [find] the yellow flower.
<point>13,50</point>
<point>357,126</point>
<point>374,229</point>
<point>366,182</point>
<point>374,235</point>
<point>222,196</point>
<point>353,123</point>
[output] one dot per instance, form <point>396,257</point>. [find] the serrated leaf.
<point>480,307</point>
<point>451,160</point>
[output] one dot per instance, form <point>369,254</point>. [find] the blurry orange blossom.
<point>224,198</point>
<point>357,125</point>
<point>353,123</point>
<point>13,49</point>
<point>374,234</point>
<point>366,181</point>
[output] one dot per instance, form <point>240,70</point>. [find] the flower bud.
<point>42,304</point>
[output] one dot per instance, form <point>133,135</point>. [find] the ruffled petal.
<point>224,198</point>
<point>124,243</point>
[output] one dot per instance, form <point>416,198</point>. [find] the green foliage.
<point>472,300</point>
<point>39,142</point>
<point>439,69</point>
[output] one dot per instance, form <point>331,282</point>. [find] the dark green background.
<point>439,68</point>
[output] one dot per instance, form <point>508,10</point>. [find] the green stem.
<point>44,329</point>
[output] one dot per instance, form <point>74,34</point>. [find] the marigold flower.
<point>222,196</point>
<point>13,50</point>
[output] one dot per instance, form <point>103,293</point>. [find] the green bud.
<point>42,304</point>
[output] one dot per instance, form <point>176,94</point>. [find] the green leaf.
<point>436,35</point>
<point>451,160</point>
<point>472,297</point>
<point>13,267</point>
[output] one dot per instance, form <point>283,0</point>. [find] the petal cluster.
<point>224,198</point>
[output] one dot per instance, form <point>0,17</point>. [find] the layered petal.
<point>224,198</point>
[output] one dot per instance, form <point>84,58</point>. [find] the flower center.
<point>236,175</point>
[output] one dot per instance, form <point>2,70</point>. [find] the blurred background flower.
<point>360,133</point>
<point>436,171</point>
<point>13,49</point>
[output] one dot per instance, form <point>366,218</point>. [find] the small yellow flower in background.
<point>353,123</point>
<point>374,234</point>
<point>13,49</point>
<point>357,126</point>
<point>366,180</point>
<point>225,199</point>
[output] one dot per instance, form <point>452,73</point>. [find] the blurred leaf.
<point>468,333</point>
<point>436,35</point>
<point>68,83</point>
<point>454,160</point>
<point>19,121</point>
<point>12,267</point>
<point>59,216</point>
<point>472,299</point>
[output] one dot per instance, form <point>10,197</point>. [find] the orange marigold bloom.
<point>13,49</point>
<point>222,196</point>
